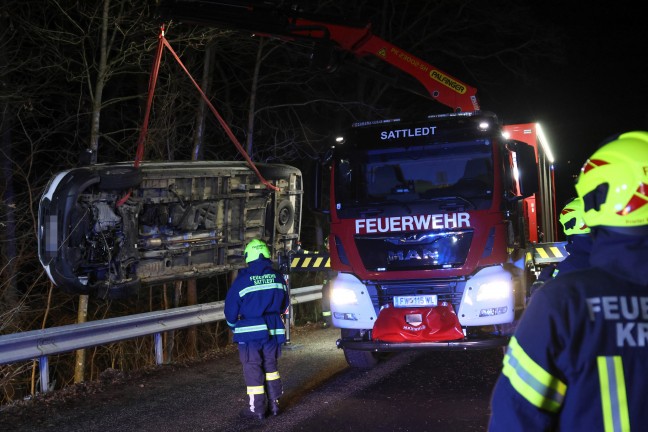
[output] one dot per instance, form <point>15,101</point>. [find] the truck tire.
<point>119,178</point>
<point>361,359</point>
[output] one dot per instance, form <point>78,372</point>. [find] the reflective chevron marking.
<point>310,262</point>
<point>549,252</point>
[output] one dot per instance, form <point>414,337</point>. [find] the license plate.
<point>415,301</point>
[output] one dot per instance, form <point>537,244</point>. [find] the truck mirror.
<point>318,180</point>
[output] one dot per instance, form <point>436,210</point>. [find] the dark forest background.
<point>74,79</point>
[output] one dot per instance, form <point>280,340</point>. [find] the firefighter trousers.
<point>260,371</point>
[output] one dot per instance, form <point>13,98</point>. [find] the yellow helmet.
<point>255,250</point>
<point>613,183</point>
<point>571,218</point>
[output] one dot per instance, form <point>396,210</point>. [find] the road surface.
<point>418,392</point>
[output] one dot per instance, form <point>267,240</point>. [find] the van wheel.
<point>285,216</point>
<point>273,172</point>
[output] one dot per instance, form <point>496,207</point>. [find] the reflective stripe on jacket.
<point>255,302</point>
<point>579,356</point>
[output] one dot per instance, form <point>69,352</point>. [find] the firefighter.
<point>578,359</point>
<point>327,319</point>
<point>326,300</point>
<point>579,240</point>
<point>253,308</point>
<point>579,243</point>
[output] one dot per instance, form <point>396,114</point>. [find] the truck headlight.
<point>494,290</point>
<point>343,296</point>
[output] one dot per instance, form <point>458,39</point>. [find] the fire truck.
<point>438,224</point>
<point>432,224</point>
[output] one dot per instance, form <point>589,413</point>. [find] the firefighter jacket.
<point>579,357</point>
<point>255,302</point>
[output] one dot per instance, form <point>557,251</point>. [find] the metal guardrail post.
<point>159,353</point>
<point>43,369</point>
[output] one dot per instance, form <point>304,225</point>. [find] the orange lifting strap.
<point>151,90</point>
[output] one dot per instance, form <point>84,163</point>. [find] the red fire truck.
<point>435,222</point>
<point>430,234</point>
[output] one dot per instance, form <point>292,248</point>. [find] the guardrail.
<point>39,344</point>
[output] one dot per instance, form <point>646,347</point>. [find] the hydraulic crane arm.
<point>266,19</point>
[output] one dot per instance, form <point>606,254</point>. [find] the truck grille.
<point>415,251</point>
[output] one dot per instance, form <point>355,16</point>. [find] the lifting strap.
<point>162,43</point>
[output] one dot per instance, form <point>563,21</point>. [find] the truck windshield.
<point>415,176</point>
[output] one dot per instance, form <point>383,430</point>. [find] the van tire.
<point>273,172</point>
<point>285,216</point>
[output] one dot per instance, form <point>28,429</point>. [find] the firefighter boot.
<point>274,387</point>
<point>273,406</point>
<point>256,408</point>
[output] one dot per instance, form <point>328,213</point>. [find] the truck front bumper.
<point>463,344</point>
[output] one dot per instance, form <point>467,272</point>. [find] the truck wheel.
<point>361,359</point>
<point>119,178</point>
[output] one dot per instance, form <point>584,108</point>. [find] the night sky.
<point>601,90</point>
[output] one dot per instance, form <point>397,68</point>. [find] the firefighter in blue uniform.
<point>327,318</point>
<point>253,308</point>
<point>579,243</point>
<point>578,360</point>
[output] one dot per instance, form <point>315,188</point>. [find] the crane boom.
<point>262,18</point>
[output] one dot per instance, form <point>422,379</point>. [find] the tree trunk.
<point>102,70</point>
<point>192,334</point>
<point>79,365</point>
<point>201,112</point>
<point>79,370</point>
<point>8,251</point>
<point>253,91</point>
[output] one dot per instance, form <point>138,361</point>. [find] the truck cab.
<point>428,234</point>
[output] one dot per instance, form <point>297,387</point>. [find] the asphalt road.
<point>422,391</point>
